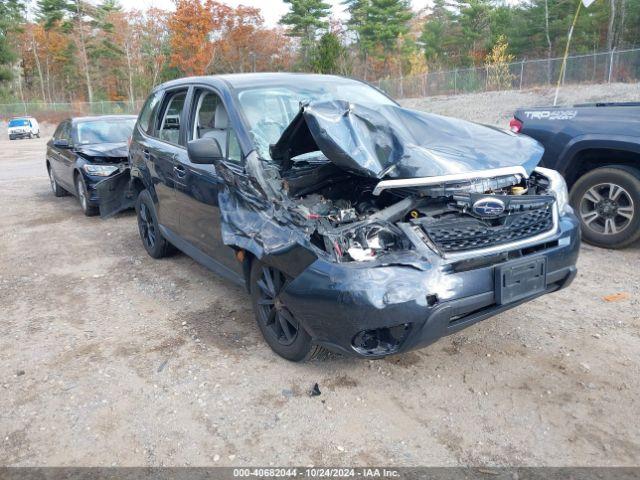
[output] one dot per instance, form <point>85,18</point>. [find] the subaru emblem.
<point>488,207</point>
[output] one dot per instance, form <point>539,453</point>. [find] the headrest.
<point>221,120</point>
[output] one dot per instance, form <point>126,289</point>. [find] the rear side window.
<point>149,107</point>
<point>169,118</point>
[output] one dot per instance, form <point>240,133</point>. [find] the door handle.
<point>145,154</point>
<point>180,171</point>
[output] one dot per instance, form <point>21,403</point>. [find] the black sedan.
<point>85,150</point>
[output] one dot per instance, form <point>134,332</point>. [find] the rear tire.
<point>607,203</point>
<point>152,240</point>
<point>282,332</point>
<point>83,197</point>
<point>57,190</point>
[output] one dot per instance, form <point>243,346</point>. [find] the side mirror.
<point>204,151</point>
<point>61,143</point>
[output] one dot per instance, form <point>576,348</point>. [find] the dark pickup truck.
<point>596,147</point>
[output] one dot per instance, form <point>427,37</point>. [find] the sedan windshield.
<point>270,109</point>
<point>105,131</point>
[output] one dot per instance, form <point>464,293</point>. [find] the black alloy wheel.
<point>281,330</point>
<point>272,311</point>
<point>152,240</point>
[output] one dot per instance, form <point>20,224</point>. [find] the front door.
<point>200,184</point>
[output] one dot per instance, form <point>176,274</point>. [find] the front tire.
<point>152,240</point>
<point>83,197</point>
<point>283,333</point>
<point>607,202</point>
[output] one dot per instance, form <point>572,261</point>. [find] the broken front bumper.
<point>377,311</point>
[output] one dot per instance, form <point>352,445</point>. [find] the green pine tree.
<point>304,19</point>
<point>11,15</point>
<point>326,55</point>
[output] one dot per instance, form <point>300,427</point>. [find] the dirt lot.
<point>108,357</point>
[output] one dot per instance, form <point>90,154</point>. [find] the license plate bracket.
<point>520,279</point>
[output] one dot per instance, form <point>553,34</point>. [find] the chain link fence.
<point>59,109</point>
<point>604,67</point>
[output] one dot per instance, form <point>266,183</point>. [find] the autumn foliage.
<point>190,27</point>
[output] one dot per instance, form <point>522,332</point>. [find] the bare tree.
<point>546,33</point>
<point>83,49</point>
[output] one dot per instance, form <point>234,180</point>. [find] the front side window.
<point>58,132</point>
<point>211,120</point>
<point>104,131</point>
<point>169,126</point>
<point>65,131</point>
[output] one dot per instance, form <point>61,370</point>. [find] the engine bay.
<point>352,224</point>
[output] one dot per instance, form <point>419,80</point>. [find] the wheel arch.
<point>589,154</point>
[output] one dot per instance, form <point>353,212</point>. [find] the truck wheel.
<point>57,190</point>
<point>282,332</point>
<point>607,202</point>
<point>83,197</point>
<point>152,240</point>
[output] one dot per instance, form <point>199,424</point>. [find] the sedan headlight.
<point>559,189</point>
<point>100,170</point>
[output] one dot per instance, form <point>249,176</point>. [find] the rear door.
<point>161,152</point>
<point>199,185</point>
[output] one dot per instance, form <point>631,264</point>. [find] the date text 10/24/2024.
<point>316,472</point>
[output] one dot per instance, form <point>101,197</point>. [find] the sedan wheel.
<point>83,197</point>
<point>57,190</point>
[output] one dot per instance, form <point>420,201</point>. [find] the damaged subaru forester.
<point>356,225</point>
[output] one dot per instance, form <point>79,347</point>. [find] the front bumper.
<point>19,134</point>
<point>92,180</point>
<point>413,308</point>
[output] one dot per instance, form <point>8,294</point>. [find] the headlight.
<point>100,170</point>
<point>558,188</point>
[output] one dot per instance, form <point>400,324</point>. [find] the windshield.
<point>105,131</point>
<point>19,122</point>
<point>270,109</point>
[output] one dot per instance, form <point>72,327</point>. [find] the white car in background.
<point>23,127</point>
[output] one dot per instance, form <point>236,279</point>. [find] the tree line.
<point>69,50</point>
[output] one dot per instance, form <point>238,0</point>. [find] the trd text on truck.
<point>597,149</point>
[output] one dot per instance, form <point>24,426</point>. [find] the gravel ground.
<point>108,357</point>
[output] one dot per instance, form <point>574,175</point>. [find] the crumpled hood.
<point>109,150</point>
<point>395,142</point>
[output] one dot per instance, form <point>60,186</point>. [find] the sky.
<point>272,10</point>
